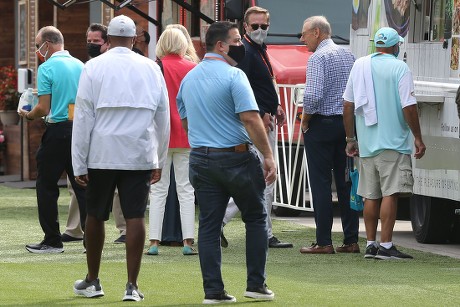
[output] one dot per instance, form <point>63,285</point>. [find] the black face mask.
<point>94,50</point>
<point>236,52</point>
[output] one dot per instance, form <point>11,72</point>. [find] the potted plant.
<point>9,96</point>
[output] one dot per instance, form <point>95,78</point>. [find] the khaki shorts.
<point>388,173</point>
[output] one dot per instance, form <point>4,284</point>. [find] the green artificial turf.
<point>172,279</point>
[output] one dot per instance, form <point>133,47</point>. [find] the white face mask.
<point>258,35</point>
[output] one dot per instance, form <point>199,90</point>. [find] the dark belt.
<point>238,148</point>
<point>66,122</point>
<point>327,116</point>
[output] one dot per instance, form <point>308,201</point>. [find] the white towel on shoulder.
<point>363,90</point>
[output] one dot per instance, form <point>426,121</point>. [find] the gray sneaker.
<point>132,293</point>
<point>88,288</point>
<point>371,251</point>
<point>42,248</point>
<point>391,253</point>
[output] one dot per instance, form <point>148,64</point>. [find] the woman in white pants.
<point>171,48</point>
<point>158,194</point>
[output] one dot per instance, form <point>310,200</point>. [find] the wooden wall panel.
<point>7,33</point>
<point>144,7</point>
<point>13,149</point>
<point>73,23</point>
<point>35,130</point>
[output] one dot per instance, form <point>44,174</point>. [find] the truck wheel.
<point>431,220</point>
<point>282,211</point>
<point>455,233</point>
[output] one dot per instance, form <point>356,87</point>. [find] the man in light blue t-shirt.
<point>380,90</point>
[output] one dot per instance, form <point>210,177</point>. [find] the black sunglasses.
<point>256,26</point>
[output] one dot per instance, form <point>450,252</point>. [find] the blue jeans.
<point>217,176</point>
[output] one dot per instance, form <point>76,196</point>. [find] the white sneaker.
<point>132,293</point>
<point>88,289</point>
<point>261,293</point>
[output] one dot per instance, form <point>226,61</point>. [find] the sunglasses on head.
<point>256,26</point>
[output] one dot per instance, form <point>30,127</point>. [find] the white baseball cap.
<point>122,26</point>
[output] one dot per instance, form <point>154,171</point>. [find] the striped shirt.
<point>327,74</point>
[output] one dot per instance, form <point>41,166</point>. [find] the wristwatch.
<point>349,140</point>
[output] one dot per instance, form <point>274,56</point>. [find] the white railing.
<point>292,189</point>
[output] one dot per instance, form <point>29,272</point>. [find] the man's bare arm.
<point>349,124</point>
<point>256,130</point>
<point>185,124</point>
<point>411,117</point>
<point>40,110</point>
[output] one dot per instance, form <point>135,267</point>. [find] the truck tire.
<point>283,211</point>
<point>431,220</point>
<point>455,233</point>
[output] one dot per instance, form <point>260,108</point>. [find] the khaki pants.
<point>73,227</point>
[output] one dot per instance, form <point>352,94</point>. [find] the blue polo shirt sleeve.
<point>180,103</point>
<point>242,93</point>
<point>44,81</point>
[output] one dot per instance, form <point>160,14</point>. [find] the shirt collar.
<point>119,50</point>
<point>60,53</point>
<point>325,42</point>
<point>172,56</point>
<point>212,54</point>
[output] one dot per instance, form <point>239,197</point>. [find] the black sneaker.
<point>88,288</point>
<point>42,248</point>
<point>223,239</point>
<point>132,293</point>
<point>259,293</point>
<point>273,242</point>
<point>371,251</point>
<point>218,298</point>
<point>391,253</point>
<point>121,239</point>
<point>68,238</point>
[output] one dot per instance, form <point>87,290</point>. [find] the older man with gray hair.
<point>57,82</point>
<point>322,125</point>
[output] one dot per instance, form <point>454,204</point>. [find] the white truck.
<point>431,30</point>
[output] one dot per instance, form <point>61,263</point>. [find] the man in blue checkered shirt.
<point>324,135</point>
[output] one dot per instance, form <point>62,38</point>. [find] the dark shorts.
<point>133,189</point>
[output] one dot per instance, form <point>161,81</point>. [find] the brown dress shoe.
<point>348,248</point>
<point>317,249</point>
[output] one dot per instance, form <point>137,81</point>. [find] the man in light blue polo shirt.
<point>380,90</point>
<point>57,80</point>
<point>218,108</point>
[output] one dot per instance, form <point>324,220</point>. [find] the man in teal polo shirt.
<point>57,80</point>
